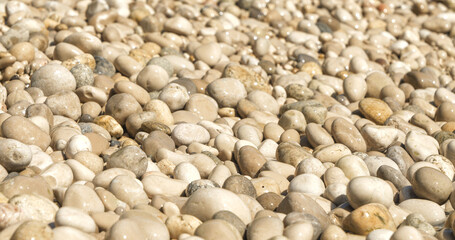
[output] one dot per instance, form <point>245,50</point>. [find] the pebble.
<point>52,79</point>
<point>367,218</point>
<point>431,211</point>
<point>225,230</point>
<point>375,110</point>
<point>131,158</point>
<point>227,92</point>
<point>346,133</point>
<point>431,184</point>
<point>27,133</point>
<point>14,155</point>
<point>186,133</point>
<point>76,218</point>
<point>366,189</point>
<point>202,205</point>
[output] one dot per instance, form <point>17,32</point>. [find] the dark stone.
<point>104,67</point>
<point>240,185</point>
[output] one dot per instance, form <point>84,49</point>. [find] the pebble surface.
<point>233,119</point>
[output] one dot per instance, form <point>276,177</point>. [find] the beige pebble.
<point>76,218</point>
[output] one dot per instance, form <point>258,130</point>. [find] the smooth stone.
<point>375,82</point>
<point>293,119</point>
<point>375,162</point>
<point>300,202</point>
<point>240,185</point>
<point>147,223</point>
<point>128,190</point>
<point>225,230</point>
<point>104,178</point>
<point>103,67</point>
<point>186,133</point>
<point>127,65</point>
<point>204,203</point>
<point>179,63</point>
<point>445,112</point>
<point>379,234</point>
<point>317,135</point>
<point>204,106</point>
<point>175,96</point>
<point>76,218</point>
<point>307,183</point>
<point>420,145</point>
<point>178,25</point>
<point>33,230</point>
<point>23,51</point>
<point>65,103</point>
<point>432,212</point>
<point>332,153</point>
<point>14,155</point>
<point>367,218</point>
<point>232,219</point>
<point>394,176</point>
<point>250,161</point>
<point>140,94</point>
<point>199,184</point>
<point>86,42</point>
<point>208,53</point>
<point>407,232</point>
<point>187,172</point>
<point>121,105</point>
<point>265,228</point>
<point>152,78</point>
<point>400,157</point>
<point>82,197</point>
<point>355,88</point>
<point>299,231</point>
<point>131,158</point>
<point>333,232</point>
<point>264,101</point>
<point>156,140</point>
<point>299,92</point>
<point>53,78</point>
<point>352,166</point>
<point>431,184</point>
<point>375,110</point>
<point>310,165</point>
<point>155,184</point>
<point>365,189</point>
<point>25,131</point>
<point>346,133</point>
<point>421,80</point>
<point>227,91</point>
<point>291,153</point>
<point>77,143</point>
<point>26,185</point>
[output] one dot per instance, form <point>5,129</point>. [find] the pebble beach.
<point>227,120</point>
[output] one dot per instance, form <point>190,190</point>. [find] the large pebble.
<point>366,189</point>
<point>76,218</point>
<point>431,184</point>
<point>227,91</point>
<point>14,155</point>
<point>52,79</point>
<point>367,218</point>
<point>420,145</point>
<point>25,131</point>
<point>375,110</point>
<point>186,133</point>
<point>131,158</point>
<point>204,203</point>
